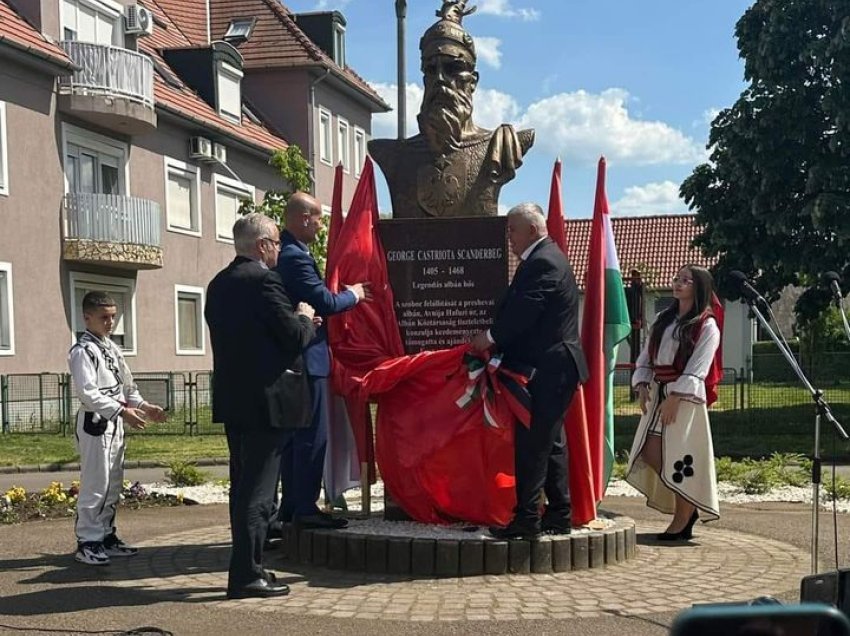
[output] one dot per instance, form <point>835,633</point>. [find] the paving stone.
<point>580,552</point>
<point>398,555</point>
<point>597,550</point>
<point>376,555</point>
<point>471,558</point>
<point>519,556</point>
<point>337,551</point>
<point>423,556</point>
<point>447,557</point>
<point>541,557</point>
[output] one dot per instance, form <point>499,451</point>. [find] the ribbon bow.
<point>502,390</point>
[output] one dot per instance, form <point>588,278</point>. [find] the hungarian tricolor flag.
<point>605,324</point>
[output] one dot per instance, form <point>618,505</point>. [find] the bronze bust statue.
<point>452,167</point>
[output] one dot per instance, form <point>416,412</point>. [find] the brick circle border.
<point>387,554</point>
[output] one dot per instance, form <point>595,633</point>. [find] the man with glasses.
<point>259,389</point>
<point>303,459</point>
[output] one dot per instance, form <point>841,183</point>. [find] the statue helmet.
<point>447,35</point>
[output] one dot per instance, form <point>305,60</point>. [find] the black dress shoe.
<point>321,520</point>
<point>261,588</point>
<point>275,530</point>
<point>685,534</point>
<point>270,577</point>
<point>556,524</point>
<point>516,530</point>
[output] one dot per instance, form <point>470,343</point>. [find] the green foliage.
<point>841,489</point>
<point>294,169</point>
<point>186,474</point>
<point>773,200</point>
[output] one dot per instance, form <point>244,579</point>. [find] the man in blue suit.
<point>303,455</point>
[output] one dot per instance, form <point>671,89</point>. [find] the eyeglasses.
<point>682,281</point>
<point>271,240</point>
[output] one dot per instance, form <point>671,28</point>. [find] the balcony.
<point>113,88</point>
<point>110,229</point>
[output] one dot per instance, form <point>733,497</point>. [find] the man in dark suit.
<point>303,457</point>
<point>259,389</point>
<point>536,325</point>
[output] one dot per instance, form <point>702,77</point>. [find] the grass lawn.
<point>26,449</point>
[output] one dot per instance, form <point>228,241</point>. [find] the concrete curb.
<point>75,466</point>
<point>435,558</point>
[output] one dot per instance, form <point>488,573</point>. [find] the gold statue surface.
<point>452,167</point>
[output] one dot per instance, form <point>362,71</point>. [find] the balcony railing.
<point>112,218</point>
<point>109,70</point>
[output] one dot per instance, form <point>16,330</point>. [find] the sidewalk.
<point>177,582</point>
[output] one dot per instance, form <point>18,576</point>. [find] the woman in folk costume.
<point>676,376</point>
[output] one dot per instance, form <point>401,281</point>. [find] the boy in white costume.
<point>108,398</point>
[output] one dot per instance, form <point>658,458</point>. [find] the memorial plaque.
<point>446,275</point>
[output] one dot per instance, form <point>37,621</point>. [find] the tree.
<point>294,169</point>
<point>774,201</point>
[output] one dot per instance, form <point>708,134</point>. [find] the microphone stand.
<point>822,411</point>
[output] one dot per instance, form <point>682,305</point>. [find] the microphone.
<point>832,279</point>
<point>747,290</point>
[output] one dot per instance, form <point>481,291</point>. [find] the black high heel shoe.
<point>685,534</point>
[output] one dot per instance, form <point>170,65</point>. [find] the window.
<point>239,29</point>
<point>181,197</point>
<point>343,144</point>
<point>123,290</point>
<point>325,150</point>
<point>7,312</point>
<point>189,320</point>
<point>96,21</point>
<point>229,81</point>
<point>339,45</point>
<point>94,164</point>
<point>359,150</point>
<point>4,152</point>
<point>228,197</point>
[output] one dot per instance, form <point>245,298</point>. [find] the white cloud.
<point>385,125</point>
<point>488,51</point>
<point>652,198</point>
<point>577,126</point>
<point>323,5</point>
<point>580,126</point>
<point>504,9</point>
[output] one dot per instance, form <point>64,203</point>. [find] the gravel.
<point>214,493</point>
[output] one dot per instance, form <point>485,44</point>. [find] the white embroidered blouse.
<point>691,384</point>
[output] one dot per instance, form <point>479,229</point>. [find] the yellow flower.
<point>16,494</point>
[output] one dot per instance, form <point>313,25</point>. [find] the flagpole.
<point>401,15</point>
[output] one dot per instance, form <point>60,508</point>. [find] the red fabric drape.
<point>582,492</point>
<point>715,373</point>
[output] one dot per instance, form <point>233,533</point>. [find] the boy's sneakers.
<point>91,553</point>
<point>115,547</point>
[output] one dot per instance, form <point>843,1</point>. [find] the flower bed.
<point>56,501</point>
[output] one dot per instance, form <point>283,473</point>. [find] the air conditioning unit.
<point>200,148</point>
<point>138,20</point>
<point>220,153</point>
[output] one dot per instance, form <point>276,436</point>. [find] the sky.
<point>636,81</point>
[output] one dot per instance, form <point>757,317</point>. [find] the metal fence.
<point>47,402</point>
<point>759,411</point>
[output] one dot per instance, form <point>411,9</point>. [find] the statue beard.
<point>444,114</point>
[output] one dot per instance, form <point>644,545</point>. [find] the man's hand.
<point>363,291</point>
<point>155,412</point>
<point>643,397</point>
<point>669,408</point>
<point>317,321</point>
<point>134,417</point>
<point>304,309</point>
<point>480,342</point>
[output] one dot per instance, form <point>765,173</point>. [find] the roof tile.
<point>656,245</point>
<point>17,32</point>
